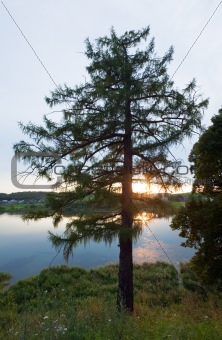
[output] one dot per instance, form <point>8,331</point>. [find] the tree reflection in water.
<point>105,227</point>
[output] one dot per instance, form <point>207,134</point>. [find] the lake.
<point>25,249</point>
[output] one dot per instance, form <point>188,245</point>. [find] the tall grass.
<point>72,303</point>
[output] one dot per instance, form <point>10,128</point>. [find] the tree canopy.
<point>127,112</point>
<point>206,157</point>
<point>200,221</point>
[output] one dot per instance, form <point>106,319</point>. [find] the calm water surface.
<point>25,249</point>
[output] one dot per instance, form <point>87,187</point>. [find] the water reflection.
<point>146,217</point>
<point>25,249</point>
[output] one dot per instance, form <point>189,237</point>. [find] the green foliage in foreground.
<point>72,303</point>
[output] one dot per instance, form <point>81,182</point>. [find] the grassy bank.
<point>72,303</point>
<point>168,208</point>
<point>21,208</point>
<point>141,202</point>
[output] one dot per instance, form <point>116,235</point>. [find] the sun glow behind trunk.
<point>142,186</point>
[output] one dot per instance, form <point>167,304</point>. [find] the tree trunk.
<point>125,284</point>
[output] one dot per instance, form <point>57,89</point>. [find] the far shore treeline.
<point>40,195</point>
<point>24,195</point>
<point>28,202</point>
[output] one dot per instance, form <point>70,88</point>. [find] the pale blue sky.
<point>57,30</point>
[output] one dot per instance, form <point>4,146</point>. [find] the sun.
<point>140,186</point>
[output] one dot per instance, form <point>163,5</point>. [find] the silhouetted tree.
<point>128,112</point>
<point>200,221</point>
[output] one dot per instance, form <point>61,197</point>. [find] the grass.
<point>176,205</point>
<point>72,303</point>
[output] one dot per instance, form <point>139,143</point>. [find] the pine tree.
<point>128,112</point>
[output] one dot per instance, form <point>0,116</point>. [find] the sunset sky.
<point>56,30</point>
